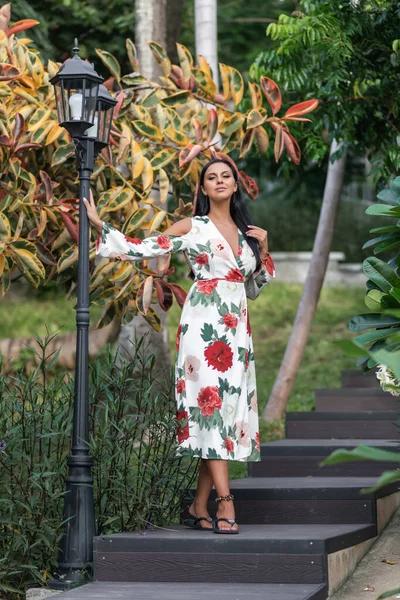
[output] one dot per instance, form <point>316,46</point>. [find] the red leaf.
<point>189,153</point>
<point>297,119</point>
<point>279,139</point>
<point>27,146</point>
<point>8,72</point>
<point>21,26</point>
<point>272,93</point>
<point>72,227</point>
<point>297,110</point>
<point>226,157</point>
<point>249,185</point>
<point>48,186</point>
<point>198,130</point>
<point>164,294</point>
<point>109,83</point>
<point>19,127</point>
<point>113,142</point>
<point>117,107</point>
<point>292,147</point>
<point>179,293</point>
<point>5,141</point>
<point>212,124</point>
<point>44,254</point>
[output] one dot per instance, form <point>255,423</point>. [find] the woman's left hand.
<point>261,235</point>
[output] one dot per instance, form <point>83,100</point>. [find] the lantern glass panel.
<point>76,100</point>
<point>105,118</point>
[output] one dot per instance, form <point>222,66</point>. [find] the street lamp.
<point>84,108</point>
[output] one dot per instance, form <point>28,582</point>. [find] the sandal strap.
<point>230,521</point>
<point>198,519</point>
<point>228,497</point>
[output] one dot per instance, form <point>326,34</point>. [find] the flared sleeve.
<point>259,279</point>
<point>112,243</point>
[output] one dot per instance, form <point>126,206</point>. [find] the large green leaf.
<point>387,195</point>
<point>382,238</point>
<point>388,594</point>
<point>372,321</point>
<point>373,336</point>
<point>381,273</point>
<point>361,453</point>
<point>383,210</point>
<point>385,246</point>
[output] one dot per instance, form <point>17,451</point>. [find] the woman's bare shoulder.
<point>180,227</point>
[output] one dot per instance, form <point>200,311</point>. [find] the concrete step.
<point>354,399</point>
<point>259,554</point>
<point>301,458</point>
<point>104,590</point>
<point>302,500</point>
<point>342,425</point>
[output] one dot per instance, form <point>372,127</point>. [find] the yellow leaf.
<point>67,259</point>
<point>204,66</point>
<point>177,137</point>
<point>42,223</point>
<point>5,229</point>
<point>225,80</point>
<point>163,183</point>
<point>185,60</point>
<point>26,261</point>
<point>237,85</point>
<point>156,221</point>
<point>147,130</point>
<point>137,163</point>
<point>54,134</point>
<point>147,174</point>
<point>162,158</point>
<point>256,95</point>
<point>122,272</point>
<point>153,319</point>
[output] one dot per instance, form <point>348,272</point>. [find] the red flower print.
<point>201,259</point>
<point>219,356</point>
<point>234,275</point>
<point>132,240</point>
<point>240,250</point>
<point>180,386</point>
<point>258,445</point>
<point>182,431</point>
<point>246,359</point>
<point>229,444</point>
<point>269,265</point>
<point>178,338</point>
<point>230,320</point>
<point>207,286</point>
<point>164,242</point>
<point>242,433</point>
<point>248,325</point>
<point>208,400</point>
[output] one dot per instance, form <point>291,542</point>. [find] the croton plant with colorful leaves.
<point>163,133</point>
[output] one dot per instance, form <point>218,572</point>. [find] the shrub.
<point>138,479</point>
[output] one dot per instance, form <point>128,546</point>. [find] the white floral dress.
<point>215,377</point>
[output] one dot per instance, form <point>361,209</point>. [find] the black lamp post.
<point>85,109</point>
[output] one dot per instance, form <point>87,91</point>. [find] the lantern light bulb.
<point>92,131</point>
<point>75,103</point>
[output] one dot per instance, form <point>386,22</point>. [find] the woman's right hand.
<point>92,213</point>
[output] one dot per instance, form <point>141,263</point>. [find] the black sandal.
<point>231,522</point>
<point>195,523</point>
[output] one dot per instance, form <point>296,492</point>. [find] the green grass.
<point>271,315</point>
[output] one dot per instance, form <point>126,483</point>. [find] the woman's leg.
<point>220,476</point>
<point>198,507</point>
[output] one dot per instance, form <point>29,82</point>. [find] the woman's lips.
<point>220,189</point>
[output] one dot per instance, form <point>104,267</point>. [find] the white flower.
<point>388,381</point>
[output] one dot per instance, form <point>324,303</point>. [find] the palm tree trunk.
<point>284,382</point>
<point>150,25</point>
<point>206,33</point>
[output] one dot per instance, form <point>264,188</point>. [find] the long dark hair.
<point>238,208</point>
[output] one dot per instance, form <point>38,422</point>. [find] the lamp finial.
<point>76,49</point>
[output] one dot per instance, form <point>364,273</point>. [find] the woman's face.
<point>219,183</point>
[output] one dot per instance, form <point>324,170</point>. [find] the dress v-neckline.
<point>225,240</point>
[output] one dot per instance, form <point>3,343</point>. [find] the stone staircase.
<point>303,528</point>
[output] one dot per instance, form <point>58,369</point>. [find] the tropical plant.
<point>163,133</point>
<point>138,478</point>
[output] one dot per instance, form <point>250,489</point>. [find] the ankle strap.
<point>229,497</point>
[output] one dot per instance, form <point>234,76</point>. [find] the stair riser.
<point>306,466</point>
<point>300,511</point>
<point>349,403</point>
<point>381,430</point>
<point>209,567</point>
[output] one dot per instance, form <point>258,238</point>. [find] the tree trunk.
<point>206,33</point>
<point>278,400</point>
<point>174,21</point>
<point>151,21</point>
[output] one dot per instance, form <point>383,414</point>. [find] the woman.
<point>215,373</point>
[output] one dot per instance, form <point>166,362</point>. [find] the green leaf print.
<point>212,453</point>
<point>223,386</point>
<point>207,332</point>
